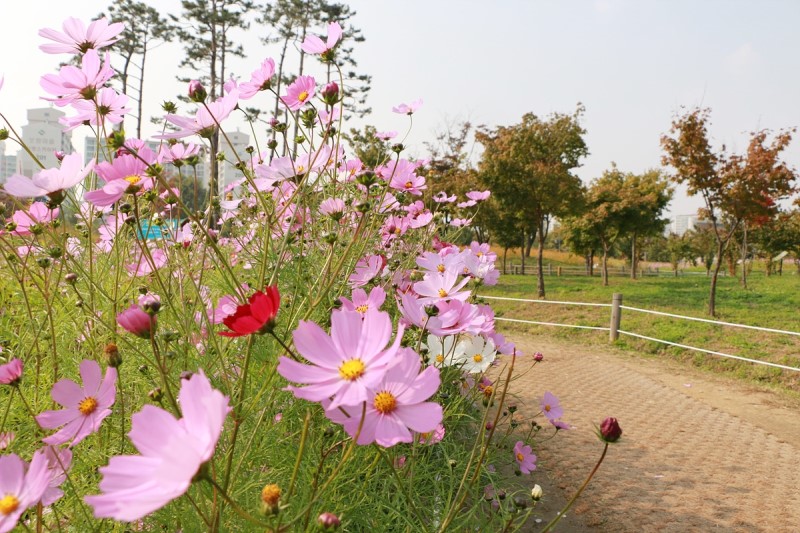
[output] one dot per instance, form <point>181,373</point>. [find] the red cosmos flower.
<point>256,316</point>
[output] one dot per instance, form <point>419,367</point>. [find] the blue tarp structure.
<point>150,231</point>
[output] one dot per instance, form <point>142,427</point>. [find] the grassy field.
<point>768,302</point>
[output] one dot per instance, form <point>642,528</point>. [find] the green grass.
<point>770,302</point>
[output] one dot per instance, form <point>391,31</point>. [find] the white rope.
<point>709,351</point>
<point>543,301</point>
<point>550,324</point>
<point>710,321</point>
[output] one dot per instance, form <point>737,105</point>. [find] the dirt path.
<point>698,453</point>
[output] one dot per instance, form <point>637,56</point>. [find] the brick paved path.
<point>699,453</point>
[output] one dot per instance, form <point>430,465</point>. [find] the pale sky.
<point>632,63</point>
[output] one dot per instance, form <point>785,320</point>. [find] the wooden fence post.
<point>559,272</point>
<point>616,316</point>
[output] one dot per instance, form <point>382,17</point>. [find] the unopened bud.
<point>156,394</point>
<point>197,93</point>
<point>328,522</point>
<point>71,278</point>
<point>113,358</point>
<point>610,430</point>
<point>536,493</point>
<point>270,498</point>
<point>59,155</point>
<point>330,94</point>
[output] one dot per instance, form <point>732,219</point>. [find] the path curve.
<point>698,453</point>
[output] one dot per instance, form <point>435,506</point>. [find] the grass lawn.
<point>769,302</point>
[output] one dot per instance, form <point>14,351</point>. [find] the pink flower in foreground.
<point>439,287</point>
<point>395,405</point>
<point>85,407</point>
<point>366,269</point>
<point>73,83</point>
<point>58,462</point>
<point>299,93</point>
<point>408,109</point>
<point>314,45</point>
<point>51,182</point>
<point>172,452</point>
<point>135,320</point>
<point>363,303</point>
<point>37,214</point>
<point>78,39</point>
<point>204,123</point>
<point>346,364</point>
<point>20,489</point>
<point>11,372</point>
<point>259,80</point>
<point>551,407</point>
<point>526,460</point>
<point>108,105</point>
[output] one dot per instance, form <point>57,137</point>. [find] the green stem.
<point>560,515</point>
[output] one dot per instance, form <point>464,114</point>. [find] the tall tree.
<point>647,196</point>
<point>733,188</point>
<point>145,30</point>
<point>528,168</point>
<point>207,30</point>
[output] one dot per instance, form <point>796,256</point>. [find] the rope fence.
<point>616,319</point>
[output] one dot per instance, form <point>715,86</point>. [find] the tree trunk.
<point>634,258</point>
<point>529,244</point>
<point>505,253</point>
<point>522,252</point>
<point>591,263</point>
<point>712,297</point>
<point>539,259</point>
<point>587,260</point>
<point>605,265</point>
<point>141,91</point>
<point>744,256</point>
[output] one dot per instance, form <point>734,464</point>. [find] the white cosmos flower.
<point>479,353</point>
<point>444,351</point>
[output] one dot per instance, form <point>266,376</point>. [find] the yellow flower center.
<point>479,254</point>
<point>8,504</point>
<point>520,457</point>
<point>133,180</point>
<point>362,309</point>
<point>384,402</point>
<point>440,358</point>
<point>477,358</point>
<point>87,406</point>
<point>442,293</point>
<point>398,231</point>
<point>352,370</point>
<point>300,169</point>
<point>547,408</point>
<point>440,267</point>
<point>270,494</point>
<point>302,96</point>
<point>409,185</point>
<point>488,390</point>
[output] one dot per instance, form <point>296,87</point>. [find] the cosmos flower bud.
<point>113,358</point>
<point>59,155</point>
<point>536,493</point>
<point>538,356</point>
<point>328,522</point>
<point>197,93</point>
<point>610,430</point>
<point>330,94</point>
<point>71,278</point>
<point>270,497</point>
<point>137,321</point>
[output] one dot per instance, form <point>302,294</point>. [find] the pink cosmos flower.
<point>172,451</point>
<point>433,437</point>
<point>478,195</point>
<point>468,203</point>
<point>439,287</point>
<point>345,365</point>
<point>395,405</point>
<point>178,153</point>
<point>73,83</point>
<point>551,407</point>
<point>11,372</point>
<point>456,316</point>
<point>85,407</point>
<point>439,264</point>
<point>51,182</point>
<point>408,109</point>
<point>135,320</point>
<point>460,222</point>
<point>58,462</point>
<point>366,269</point>
<point>362,303</point>
<point>143,266</point>
<point>259,80</point>
<point>78,39</point>
<point>299,93</point>
<point>107,105</point>
<point>332,207</point>
<point>441,197</point>
<point>205,120</point>
<point>526,460</point>
<point>314,45</point>
<point>385,135</point>
<point>6,438</point>
<point>37,213</point>
<point>20,489</point>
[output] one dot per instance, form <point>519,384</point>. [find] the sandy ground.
<point>698,452</point>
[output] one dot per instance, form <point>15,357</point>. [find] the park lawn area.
<point>770,302</point>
